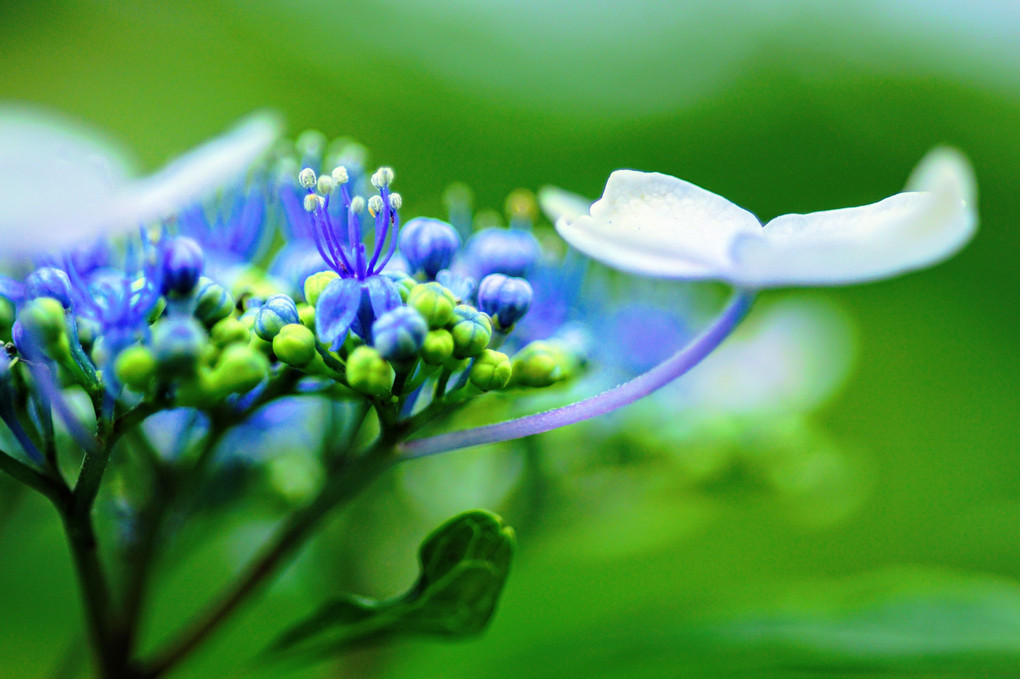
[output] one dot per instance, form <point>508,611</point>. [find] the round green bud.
<point>135,367</point>
<point>295,345</point>
<point>316,283</point>
<point>438,347</point>
<point>491,370</point>
<point>471,330</point>
<point>434,302</point>
<point>44,320</point>
<point>230,331</point>
<point>213,302</point>
<point>539,364</point>
<point>240,369</point>
<point>368,372</point>
<point>306,314</point>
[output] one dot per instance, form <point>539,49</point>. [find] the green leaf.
<point>464,565</point>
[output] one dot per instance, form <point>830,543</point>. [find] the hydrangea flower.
<point>64,184</point>
<point>658,225</point>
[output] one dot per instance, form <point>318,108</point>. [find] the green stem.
<point>95,591</point>
<point>47,486</point>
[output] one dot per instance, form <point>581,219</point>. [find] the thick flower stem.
<point>606,402</point>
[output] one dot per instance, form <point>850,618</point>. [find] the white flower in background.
<point>658,225</point>
<point>62,183</point>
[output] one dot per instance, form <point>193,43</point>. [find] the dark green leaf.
<point>464,565</point>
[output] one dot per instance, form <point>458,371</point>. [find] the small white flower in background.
<point>658,225</point>
<point>62,183</point>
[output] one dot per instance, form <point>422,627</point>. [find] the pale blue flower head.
<point>62,184</point>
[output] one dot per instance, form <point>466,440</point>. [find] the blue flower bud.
<point>49,282</point>
<point>275,312</point>
<point>183,262</point>
<point>504,298</point>
<point>496,250</point>
<point>399,333</point>
<point>428,244</point>
<point>178,343</point>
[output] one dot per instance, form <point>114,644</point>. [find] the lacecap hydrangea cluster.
<point>305,279</point>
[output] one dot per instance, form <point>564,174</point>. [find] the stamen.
<point>306,178</point>
<point>382,177</point>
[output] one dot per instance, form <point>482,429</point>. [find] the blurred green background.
<point>781,107</point>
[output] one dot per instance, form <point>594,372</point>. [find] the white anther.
<point>357,204</point>
<point>340,175</point>
<point>325,185</point>
<point>375,205</point>
<point>396,201</point>
<point>306,178</point>
<point>313,202</point>
<point>382,177</point>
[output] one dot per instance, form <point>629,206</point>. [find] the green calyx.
<point>491,370</point>
<point>434,302</point>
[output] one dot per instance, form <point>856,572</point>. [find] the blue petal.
<point>11,289</point>
<point>380,295</point>
<point>338,304</point>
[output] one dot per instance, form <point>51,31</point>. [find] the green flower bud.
<point>229,331</point>
<point>491,370</point>
<point>438,347</point>
<point>44,321</point>
<point>135,367</point>
<point>368,372</point>
<point>295,345</point>
<point>213,301</point>
<point>316,283</point>
<point>434,302</point>
<point>471,330</point>
<point>240,369</point>
<point>306,314</point>
<point>539,364</point>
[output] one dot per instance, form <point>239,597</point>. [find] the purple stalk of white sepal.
<point>606,402</point>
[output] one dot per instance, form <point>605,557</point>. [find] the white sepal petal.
<point>908,231</point>
<point>658,225</point>
<point>558,204</point>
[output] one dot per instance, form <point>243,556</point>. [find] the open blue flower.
<point>360,294</point>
